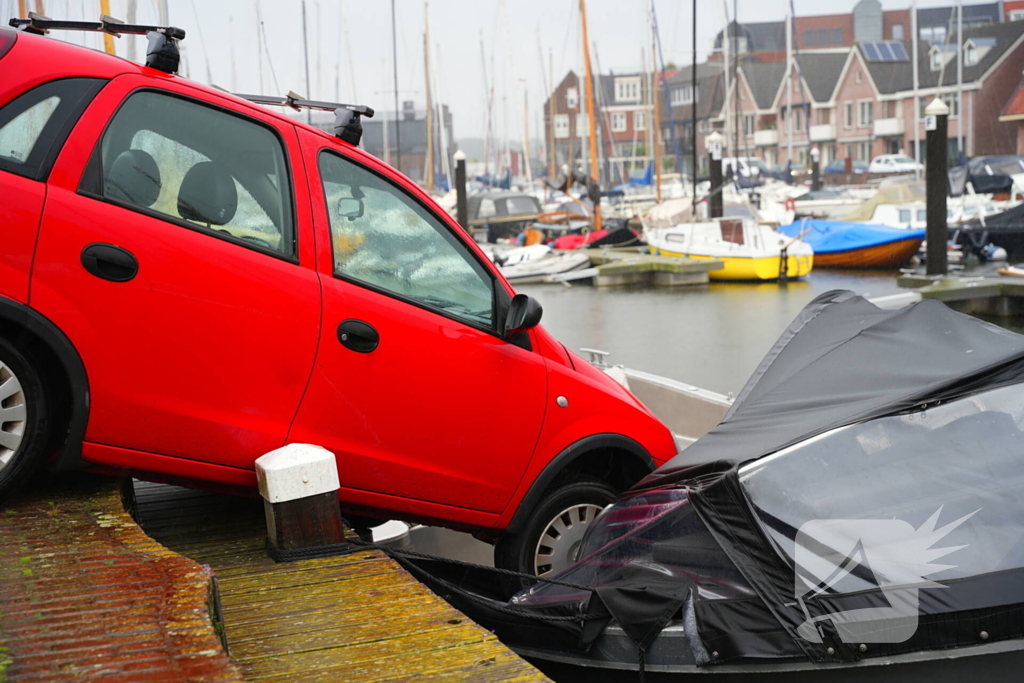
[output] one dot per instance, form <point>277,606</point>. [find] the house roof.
<point>1014,109</point>
<point>764,79</point>
<point>821,71</point>
<point>894,77</point>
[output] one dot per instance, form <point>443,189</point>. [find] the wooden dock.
<point>357,617</point>
<point>990,295</point>
<point>86,595</point>
<point>614,267</point>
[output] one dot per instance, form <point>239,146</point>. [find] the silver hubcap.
<point>557,546</point>
<point>12,415</point>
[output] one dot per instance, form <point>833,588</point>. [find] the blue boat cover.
<point>833,237</point>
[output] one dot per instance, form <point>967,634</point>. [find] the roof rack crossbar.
<point>41,25</point>
<point>297,102</point>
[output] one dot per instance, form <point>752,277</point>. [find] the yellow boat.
<point>747,249</point>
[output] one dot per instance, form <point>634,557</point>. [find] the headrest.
<point>134,177</point>
<point>208,194</point>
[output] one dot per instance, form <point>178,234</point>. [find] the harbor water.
<point>711,336</point>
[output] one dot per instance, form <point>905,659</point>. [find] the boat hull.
<point>740,268</point>
<point>888,255</point>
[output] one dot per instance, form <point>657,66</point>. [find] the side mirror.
<point>524,313</point>
<point>350,208</point>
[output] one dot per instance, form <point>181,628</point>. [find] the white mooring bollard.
<point>299,484</point>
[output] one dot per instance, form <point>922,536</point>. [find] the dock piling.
<point>299,485</point>
<point>714,143</point>
<point>936,120</point>
<point>461,207</point>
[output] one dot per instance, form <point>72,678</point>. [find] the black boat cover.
<point>709,540</point>
<point>986,174</point>
<point>844,360</point>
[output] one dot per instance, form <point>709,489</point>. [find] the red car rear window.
<point>6,40</point>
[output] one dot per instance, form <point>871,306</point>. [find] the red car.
<point>189,280</point>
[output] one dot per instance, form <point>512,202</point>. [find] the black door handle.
<point>359,336</point>
<point>109,262</point>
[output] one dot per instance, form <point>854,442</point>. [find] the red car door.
<point>176,253</point>
<point>429,411</point>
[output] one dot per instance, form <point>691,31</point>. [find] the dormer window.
<point>935,57</point>
<point>572,98</point>
<point>627,89</point>
<point>858,77</point>
<point>970,53</point>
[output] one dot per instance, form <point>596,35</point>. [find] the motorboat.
<point>830,203</point>
<point>539,263</point>
<point>747,249</point>
<point>856,514</point>
<point>838,244</point>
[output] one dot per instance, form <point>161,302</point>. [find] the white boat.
<point>747,249</point>
<point>541,268</point>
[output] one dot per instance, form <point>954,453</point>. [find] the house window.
<point>582,126</point>
<point>822,36</point>
<point>858,77</point>
<point>572,98</point>
<point>561,126</point>
<point>865,151</point>
<point>897,31</point>
<point>934,34</point>
<point>970,54</point>
<point>865,113</point>
<point>936,59</point>
<point>702,126</point>
<point>851,151</point>
<point>837,36</point>
<point>848,121</point>
<point>627,89</point>
<point>798,120</point>
<point>618,121</point>
<point>748,124</point>
<point>809,37</point>
<point>684,95</point>
<point>640,120</point>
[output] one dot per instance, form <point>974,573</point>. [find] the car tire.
<point>549,539</point>
<point>23,419</point>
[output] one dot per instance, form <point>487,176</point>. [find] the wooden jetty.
<point>990,295</point>
<point>629,266</point>
<point>85,594</point>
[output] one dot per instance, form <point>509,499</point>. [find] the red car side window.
<point>33,126</point>
<point>203,167</point>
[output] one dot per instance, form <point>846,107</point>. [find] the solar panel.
<point>886,51</point>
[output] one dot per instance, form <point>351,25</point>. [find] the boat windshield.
<point>899,490</point>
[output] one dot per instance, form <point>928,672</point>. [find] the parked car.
<point>749,167</point>
<point>189,280</point>
<point>894,163</point>
<point>799,171</point>
<point>839,166</point>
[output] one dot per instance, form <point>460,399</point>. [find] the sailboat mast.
<point>430,102</point>
<point>398,114</point>
<point>727,103</point>
<point>693,105</point>
<point>526,136</point>
<point>655,76</point>
<point>959,111</point>
<point>305,51</point>
<point>789,85</point>
<point>108,40</point>
<point>917,97</point>
<point>590,114</point>
<point>551,117</point>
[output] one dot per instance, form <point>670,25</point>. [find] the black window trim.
<point>59,126</point>
<point>501,299</point>
<point>91,183</point>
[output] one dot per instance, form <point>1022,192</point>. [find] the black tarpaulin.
<point>844,360</point>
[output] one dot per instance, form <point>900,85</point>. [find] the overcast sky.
<point>350,46</point>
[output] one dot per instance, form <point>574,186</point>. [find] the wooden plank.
<point>356,617</point>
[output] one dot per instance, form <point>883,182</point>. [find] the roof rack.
<point>161,54</point>
<point>347,126</point>
<point>297,102</point>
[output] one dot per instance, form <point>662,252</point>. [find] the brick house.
<point>1013,114</point>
